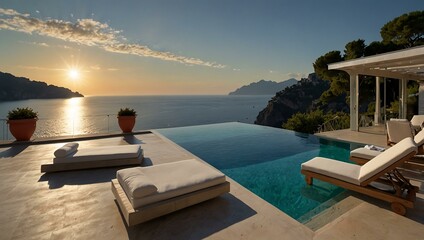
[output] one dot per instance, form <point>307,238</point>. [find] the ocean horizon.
<point>97,114</point>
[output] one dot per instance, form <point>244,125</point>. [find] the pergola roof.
<point>403,64</point>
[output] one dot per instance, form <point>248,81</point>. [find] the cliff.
<point>297,98</point>
<point>264,87</point>
<point>19,88</point>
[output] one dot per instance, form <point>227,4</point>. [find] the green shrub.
<point>22,113</point>
<point>127,112</point>
<point>305,122</point>
<point>311,121</point>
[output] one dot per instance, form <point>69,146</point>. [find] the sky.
<point>180,47</point>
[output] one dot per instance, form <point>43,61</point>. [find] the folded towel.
<point>135,183</point>
<point>66,150</point>
<point>375,148</point>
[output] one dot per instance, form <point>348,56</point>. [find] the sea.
<point>97,114</point>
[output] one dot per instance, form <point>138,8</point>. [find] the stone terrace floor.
<point>80,205</point>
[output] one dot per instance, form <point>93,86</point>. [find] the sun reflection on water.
<point>73,116</point>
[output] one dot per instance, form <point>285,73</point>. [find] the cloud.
<point>42,68</point>
<point>11,12</point>
<point>297,75</point>
<point>42,44</point>
<point>140,50</point>
<point>90,33</point>
<point>96,67</point>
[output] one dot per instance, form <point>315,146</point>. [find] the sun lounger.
<point>94,157</point>
<point>363,155</point>
<point>144,193</point>
<point>398,129</point>
<point>417,122</point>
<point>380,169</point>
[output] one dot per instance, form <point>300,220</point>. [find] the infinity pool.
<point>266,161</point>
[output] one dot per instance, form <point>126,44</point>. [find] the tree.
<point>380,47</point>
<point>354,49</point>
<point>406,30</point>
<point>321,65</point>
<point>339,80</point>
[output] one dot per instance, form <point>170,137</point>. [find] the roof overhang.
<point>403,64</point>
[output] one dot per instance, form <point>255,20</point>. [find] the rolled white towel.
<point>375,148</point>
<point>66,150</point>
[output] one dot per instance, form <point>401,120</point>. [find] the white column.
<point>385,101</point>
<point>421,99</point>
<point>354,97</point>
<point>377,114</point>
<point>403,97</point>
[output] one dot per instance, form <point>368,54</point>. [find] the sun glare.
<point>73,74</point>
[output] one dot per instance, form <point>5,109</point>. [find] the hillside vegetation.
<point>19,88</point>
<point>326,103</point>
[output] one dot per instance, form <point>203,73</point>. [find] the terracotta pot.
<point>22,129</point>
<point>126,123</point>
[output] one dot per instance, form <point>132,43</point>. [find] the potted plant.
<point>22,123</point>
<point>126,119</point>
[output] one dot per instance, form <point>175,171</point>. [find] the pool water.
<point>265,160</point>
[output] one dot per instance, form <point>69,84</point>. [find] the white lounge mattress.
<point>171,180</point>
<point>419,138</point>
<point>365,153</point>
<point>101,153</point>
<point>332,168</point>
<point>358,174</point>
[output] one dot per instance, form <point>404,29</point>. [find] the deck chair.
<point>417,122</point>
<point>69,157</point>
<point>380,169</point>
<point>363,155</point>
<point>398,129</point>
<point>145,193</point>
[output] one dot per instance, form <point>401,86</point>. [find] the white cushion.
<point>135,183</point>
<point>399,130</point>
<point>419,138</point>
<point>66,150</point>
<point>369,154</point>
<point>175,179</point>
<point>102,153</point>
<point>364,153</point>
<point>332,168</point>
<point>417,121</point>
<point>356,174</point>
<point>387,158</point>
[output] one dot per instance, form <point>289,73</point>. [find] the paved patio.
<point>80,205</point>
<point>375,135</point>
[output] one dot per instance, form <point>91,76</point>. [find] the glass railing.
<point>48,128</point>
<point>333,124</point>
<point>4,128</point>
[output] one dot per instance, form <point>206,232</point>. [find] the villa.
<point>80,204</point>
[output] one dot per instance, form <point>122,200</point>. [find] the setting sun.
<point>73,74</point>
